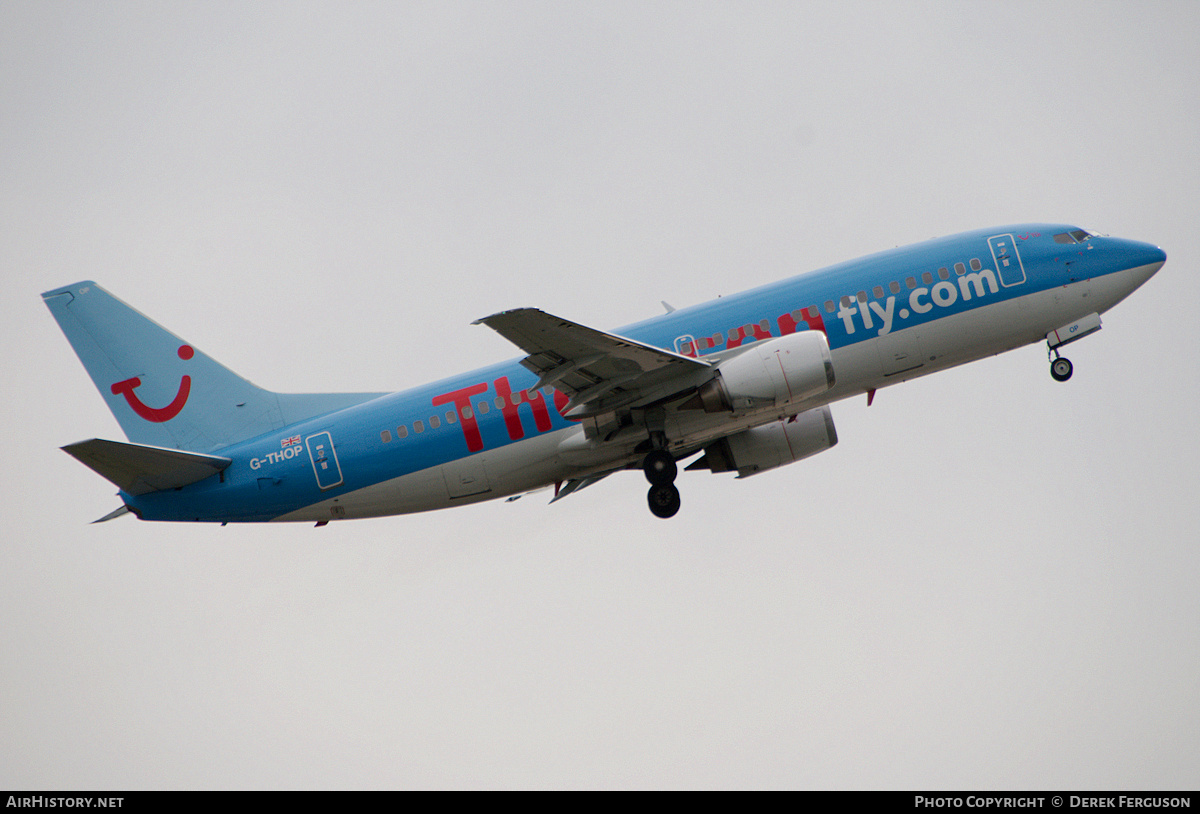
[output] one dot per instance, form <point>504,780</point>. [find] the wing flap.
<point>592,367</point>
<point>139,469</point>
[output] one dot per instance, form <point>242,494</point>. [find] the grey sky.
<point>990,582</point>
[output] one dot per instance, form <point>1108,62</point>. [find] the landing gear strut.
<point>1060,367</point>
<point>660,470</point>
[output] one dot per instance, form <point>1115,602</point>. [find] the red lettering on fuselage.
<point>511,403</point>
<point>462,404</point>
<point>512,415</point>
<point>461,399</point>
<point>788,324</point>
<point>745,333</point>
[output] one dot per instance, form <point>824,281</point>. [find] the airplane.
<point>744,383</point>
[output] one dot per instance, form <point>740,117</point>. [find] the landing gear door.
<point>324,460</point>
<point>1008,261</point>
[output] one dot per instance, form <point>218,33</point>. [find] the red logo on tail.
<point>157,414</point>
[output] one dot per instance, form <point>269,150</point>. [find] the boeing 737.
<point>743,383</point>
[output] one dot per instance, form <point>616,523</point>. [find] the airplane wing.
<point>598,371</point>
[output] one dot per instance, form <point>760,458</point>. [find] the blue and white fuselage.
<point>746,379</point>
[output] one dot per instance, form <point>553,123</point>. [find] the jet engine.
<point>770,445</point>
<point>774,373</point>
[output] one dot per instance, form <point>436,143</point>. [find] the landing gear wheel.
<point>660,468</point>
<point>664,500</point>
<point>1061,369</point>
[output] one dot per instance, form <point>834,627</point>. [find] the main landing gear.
<point>660,470</point>
<point>1060,367</point>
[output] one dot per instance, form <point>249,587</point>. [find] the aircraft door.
<point>324,460</point>
<point>1008,261</point>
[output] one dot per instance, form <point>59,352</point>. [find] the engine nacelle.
<point>776,444</point>
<point>775,373</point>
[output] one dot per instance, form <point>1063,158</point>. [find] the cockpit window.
<point>1064,237</point>
<point>1074,236</point>
<point>1080,235</point>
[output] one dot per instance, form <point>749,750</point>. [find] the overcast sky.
<point>990,582</point>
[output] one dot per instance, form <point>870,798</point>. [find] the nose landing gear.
<point>1061,368</point>
<point>660,470</point>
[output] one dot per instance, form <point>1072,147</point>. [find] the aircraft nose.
<point>1150,257</point>
<point>1144,260</point>
<point>1157,257</point>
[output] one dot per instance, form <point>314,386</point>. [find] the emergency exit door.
<point>1008,261</point>
<point>324,460</point>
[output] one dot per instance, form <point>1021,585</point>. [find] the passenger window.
<point>483,407</point>
<point>467,414</point>
<point>959,268</point>
<point>975,264</point>
<point>434,422</point>
<point>911,282</point>
<point>944,273</point>
<point>386,435</point>
<point>451,416</point>
<point>402,431</point>
<point>862,296</point>
<point>894,286</point>
<point>927,278</point>
<point>846,300</point>
<point>798,315</point>
<point>499,402</point>
<point>813,313</point>
<point>766,326</point>
<point>877,291</point>
<point>829,306</point>
<point>418,426</point>
<point>717,339</point>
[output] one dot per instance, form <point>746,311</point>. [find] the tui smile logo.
<point>157,414</point>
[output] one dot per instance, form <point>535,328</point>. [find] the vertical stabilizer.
<point>162,390</point>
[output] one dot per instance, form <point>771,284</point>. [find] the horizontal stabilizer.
<point>139,469</point>
<point>113,515</point>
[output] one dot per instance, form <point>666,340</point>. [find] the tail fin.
<point>162,390</point>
